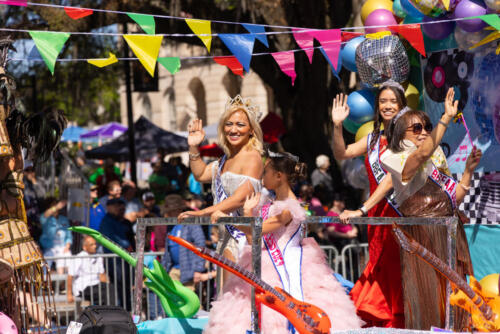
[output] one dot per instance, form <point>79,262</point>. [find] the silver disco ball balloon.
<point>381,59</point>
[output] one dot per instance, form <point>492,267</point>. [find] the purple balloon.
<point>467,8</point>
<point>437,30</point>
<point>379,17</point>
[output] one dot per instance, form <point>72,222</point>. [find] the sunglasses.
<point>418,127</point>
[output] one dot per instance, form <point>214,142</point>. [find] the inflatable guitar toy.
<point>176,300</point>
<point>484,307</point>
<point>306,318</point>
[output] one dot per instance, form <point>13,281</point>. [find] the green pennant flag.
<point>146,22</point>
<point>49,44</point>
<point>492,19</point>
<point>172,64</point>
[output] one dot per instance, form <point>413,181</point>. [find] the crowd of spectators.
<point>116,204</point>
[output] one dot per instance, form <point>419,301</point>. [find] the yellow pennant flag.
<point>446,4</point>
<point>103,62</point>
<point>146,48</point>
<point>488,39</point>
<point>201,27</point>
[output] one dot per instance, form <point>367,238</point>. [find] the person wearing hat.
<point>119,230</point>
<point>149,203</point>
<point>180,263</point>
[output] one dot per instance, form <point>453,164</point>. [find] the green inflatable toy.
<point>177,300</point>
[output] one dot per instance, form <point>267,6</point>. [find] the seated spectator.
<point>114,190</point>
<point>180,263</point>
<point>56,239</point>
<point>96,210</point>
<point>87,279</point>
<point>312,203</point>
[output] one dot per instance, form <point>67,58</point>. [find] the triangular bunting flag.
<point>77,13</point>
<point>413,34</point>
<point>446,4</point>
<point>329,62</point>
<point>232,63</point>
<point>146,48</point>
<point>146,22</point>
<point>330,40</point>
<point>201,27</point>
<point>49,44</point>
<point>23,3</point>
<point>103,62</point>
<point>172,64</point>
<point>305,41</point>
<point>258,32</point>
<point>347,35</point>
<point>241,45</point>
<point>492,19</point>
<point>286,62</point>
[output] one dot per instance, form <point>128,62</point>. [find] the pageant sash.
<point>288,264</point>
<point>447,183</point>
<point>378,172</point>
<point>221,195</point>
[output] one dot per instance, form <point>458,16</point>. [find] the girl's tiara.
<point>392,83</point>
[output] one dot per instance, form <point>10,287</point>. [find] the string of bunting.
<point>146,47</point>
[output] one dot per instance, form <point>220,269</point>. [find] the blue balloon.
<point>412,19</point>
<point>361,104</point>
<point>348,53</point>
<point>410,9</point>
<point>398,9</point>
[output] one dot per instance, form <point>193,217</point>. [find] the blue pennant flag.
<point>339,66</point>
<point>257,30</point>
<point>241,45</point>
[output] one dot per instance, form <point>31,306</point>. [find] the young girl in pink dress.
<point>297,265</point>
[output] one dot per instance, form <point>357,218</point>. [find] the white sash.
<point>288,264</point>
<point>378,172</point>
<point>221,195</point>
<point>447,183</point>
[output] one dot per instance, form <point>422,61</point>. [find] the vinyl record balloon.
<point>464,63</point>
<point>439,64</point>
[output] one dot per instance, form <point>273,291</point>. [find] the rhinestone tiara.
<point>240,103</point>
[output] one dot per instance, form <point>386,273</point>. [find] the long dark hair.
<point>287,164</point>
<point>400,97</point>
<point>397,130</point>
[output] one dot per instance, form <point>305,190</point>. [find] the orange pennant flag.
<point>413,34</point>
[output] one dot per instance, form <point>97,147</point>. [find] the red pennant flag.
<point>347,36</point>
<point>413,34</point>
<point>77,13</point>
<point>232,63</point>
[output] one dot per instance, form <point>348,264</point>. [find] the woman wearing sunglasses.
<point>423,187</point>
<point>377,294</point>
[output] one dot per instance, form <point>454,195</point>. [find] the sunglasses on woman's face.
<point>418,127</point>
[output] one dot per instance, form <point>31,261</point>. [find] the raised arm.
<point>382,189</point>
<point>201,171</point>
<point>424,152</point>
<point>470,165</point>
<point>340,111</point>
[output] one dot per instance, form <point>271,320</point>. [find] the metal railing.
<point>450,223</point>
<point>111,295</point>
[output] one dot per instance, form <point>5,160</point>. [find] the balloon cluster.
<point>439,34</point>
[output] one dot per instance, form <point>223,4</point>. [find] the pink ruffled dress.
<point>231,312</point>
